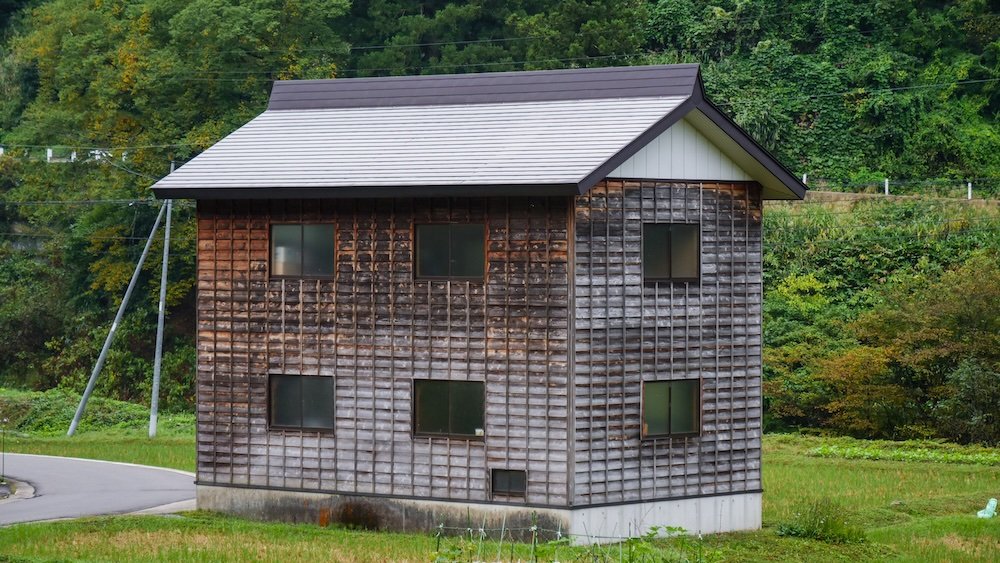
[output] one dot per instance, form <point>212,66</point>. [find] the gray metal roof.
<point>511,133</point>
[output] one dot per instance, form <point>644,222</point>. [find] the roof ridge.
<point>488,87</point>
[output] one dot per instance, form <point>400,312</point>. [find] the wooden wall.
<point>373,328</point>
<point>628,331</point>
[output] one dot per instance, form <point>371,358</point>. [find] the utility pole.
<point>154,403</point>
<point>114,326</point>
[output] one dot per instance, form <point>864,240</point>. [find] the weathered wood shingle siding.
<point>374,329</point>
<point>628,331</point>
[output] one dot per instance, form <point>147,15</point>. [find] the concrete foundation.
<point>600,524</point>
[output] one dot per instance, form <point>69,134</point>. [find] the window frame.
<point>302,225</point>
<point>670,251</point>
<point>449,277</point>
<point>414,411</point>
<point>698,409</point>
<point>270,406</point>
<point>508,494</point>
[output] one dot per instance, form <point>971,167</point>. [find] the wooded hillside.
<point>848,92</point>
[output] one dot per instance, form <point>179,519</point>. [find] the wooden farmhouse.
<point>484,298</point>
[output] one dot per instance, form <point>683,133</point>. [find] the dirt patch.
<point>982,548</point>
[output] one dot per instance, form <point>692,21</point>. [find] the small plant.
<point>823,520</point>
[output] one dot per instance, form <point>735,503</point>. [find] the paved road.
<point>70,488</point>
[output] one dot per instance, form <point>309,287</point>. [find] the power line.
<point>83,237</point>
<point>702,50</point>
<point>85,148</point>
<point>862,91</point>
<point>737,19</point>
<point>82,202</point>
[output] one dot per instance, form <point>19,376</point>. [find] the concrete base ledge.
<point>600,524</point>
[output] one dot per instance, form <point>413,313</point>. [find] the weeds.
<point>823,520</point>
<point>908,451</point>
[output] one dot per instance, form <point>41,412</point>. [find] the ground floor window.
<point>301,401</point>
<point>509,482</point>
<point>448,408</point>
<point>671,408</point>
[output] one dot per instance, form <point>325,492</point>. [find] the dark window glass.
<point>671,407</point>
<point>302,401</point>
<point>286,250</point>
<point>452,408</point>
<point>432,406</point>
<point>656,251</point>
<point>450,251</point>
<point>302,250</point>
<point>466,405</point>
<point>509,482</point>
<point>670,251</point>
<point>656,419</point>
<point>467,249</point>
<point>433,251</point>
<point>684,251</point>
<point>317,250</point>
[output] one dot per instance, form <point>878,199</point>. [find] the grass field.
<point>906,511</point>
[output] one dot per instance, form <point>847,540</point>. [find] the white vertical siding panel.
<point>681,153</point>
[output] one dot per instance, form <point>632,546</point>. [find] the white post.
<point>804,177</point>
<point>154,402</point>
<point>886,186</point>
<point>48,155</point>
<point>968,185</point>
<point>114,326</point>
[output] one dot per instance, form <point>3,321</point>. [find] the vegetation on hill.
<point>848,91</point>
<point>882,319</point>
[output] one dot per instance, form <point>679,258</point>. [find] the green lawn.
<point>910,511</point>
<point>132,446</point>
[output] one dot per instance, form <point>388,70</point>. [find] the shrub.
<point>823,520</point>
<point>971,411</point>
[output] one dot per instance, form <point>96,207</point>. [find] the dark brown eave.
<point>698,101</point>
<point>279,192</point>
<point>762,155</point>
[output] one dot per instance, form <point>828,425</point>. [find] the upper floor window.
<point>302,250</point>
<point>451,251</point>
<point>671,408</point>
<point>449,408</point>
<point>301,402</point>
<point>670,251</point>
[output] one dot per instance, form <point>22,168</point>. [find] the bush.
<point>823,520</point>
<point>50,412</point>
<point>971,412</point>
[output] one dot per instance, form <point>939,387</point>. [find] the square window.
<point>671,251</point>
<point>301,401</point>
<point>509,482</point>
<point>448,408</point>
<point>451,251</point>
<point>299,250</point>
<point>671,408</point>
